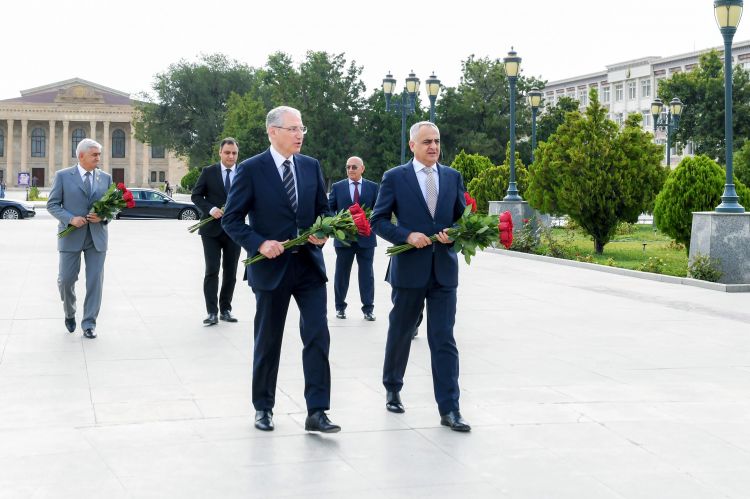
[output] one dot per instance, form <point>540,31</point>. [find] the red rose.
<point>355,208</point>
<point>127,196</point>
<point>505,226</point>
<point>363,225</point>
<point>470,201</point>
<point>121,186</point>
<point>525,220</point>
<point>130,204</point>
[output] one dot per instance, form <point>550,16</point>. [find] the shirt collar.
<point>279,159</point>
<point>82,171</point>
<point>419,166</point>
<point>359,182</point>
<point>225,167</point>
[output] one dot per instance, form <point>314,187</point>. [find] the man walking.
<point>282,192</point>
<point>210,196</point>
<point>427,198</point>
<point>74,191</point>
<point>354,189</point>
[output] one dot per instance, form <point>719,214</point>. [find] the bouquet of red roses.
<point>344,226</point>
<point>471,232</point>
<point>115,199</point>
<point>203,221</point>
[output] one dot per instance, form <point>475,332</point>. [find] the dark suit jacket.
<point>209,192</point>
<point>339,199</point>
<point>257,191</point>
<point>400,195</point>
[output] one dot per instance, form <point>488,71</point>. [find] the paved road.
<point>578,384</point>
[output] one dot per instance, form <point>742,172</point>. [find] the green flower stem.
<point>401,248</point>
<point>297,241</point>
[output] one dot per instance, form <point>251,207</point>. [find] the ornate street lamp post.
<point>433,89</point>
<point>512,67</point>
<point>670,122</point>
<point>728,14</point>
<point>412,84</point>
<point>535,100</point>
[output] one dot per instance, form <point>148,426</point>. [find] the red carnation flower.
<point>121,186</point>
<point>360,220</point>
<point>127,196</point>
<point>470,201</point>
<point>130,204</point>
<point>505,226</point>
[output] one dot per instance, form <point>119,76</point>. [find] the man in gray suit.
<point>74,191</point>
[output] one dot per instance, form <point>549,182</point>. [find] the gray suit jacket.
<point>67,199</point>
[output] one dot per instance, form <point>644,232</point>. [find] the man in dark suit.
<point>282,192</point>
<point>210,196</point>
<point>344,193</point>
<point>426,198</point>
<point>74,191</point>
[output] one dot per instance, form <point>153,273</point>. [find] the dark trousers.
<point>213,247</point>
<point>309,291</point>
<point>441,316</point>
<point>344,259</point>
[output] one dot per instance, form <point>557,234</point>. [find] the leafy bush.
<point>695,185</point>
<point>526,239</point>
<point>585,258</point>
<point>190,179</point>
<point>610,262</point>
<point>553,246</point>
<point>491,184</point>
<point>34,194</point>
<point>653,264</point>
<point>705,268</point>
<point>625,228</point>
<point>471,165</point>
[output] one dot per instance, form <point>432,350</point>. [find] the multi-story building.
<point>40,130</point>
<point>630,87</point>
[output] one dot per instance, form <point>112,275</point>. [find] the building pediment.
<point>79,94</point>
<point>73,91</point>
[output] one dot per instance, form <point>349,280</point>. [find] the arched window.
<point>38,143</point>
<point>118,144</point>
<point>78,135</point>
<point>157,152</point>
<point>2,143</point>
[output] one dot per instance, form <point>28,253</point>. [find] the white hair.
<point>414,130</point>
<point>275,115</point>
<point>86,144</point>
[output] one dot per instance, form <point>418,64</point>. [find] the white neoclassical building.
<point>630,87</point>
<point>40,130</point>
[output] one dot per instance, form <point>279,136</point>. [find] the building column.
<point>24,144</point>
<point>92,132</point>
<point>65,145</point>
<point>131,175</point>
<point>51,169</point>
<point>146,164</point>
<point>9,179</point>
<point>106,148</point>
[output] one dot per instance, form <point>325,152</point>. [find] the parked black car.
<point>12,210</point>
<point>150,203</point>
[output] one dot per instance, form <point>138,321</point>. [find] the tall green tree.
<point>554,116</point>
<point>187,109</point>
<point>491,183</point>
<point>741,164</point>
<point>695,185</point>
<point>702,91</point>
<point>246,122</point>
<point>596,173</point>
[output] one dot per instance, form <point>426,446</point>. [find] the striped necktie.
<point>288,182</point>
<point>87,184</point>
<point>431,190</point>
<point>356,192</point>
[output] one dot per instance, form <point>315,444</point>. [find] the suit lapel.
<point>411,180</point>
<point>272,174</point>
<point>442,186</point>
<point>220,177</point>
<point>77,179</point>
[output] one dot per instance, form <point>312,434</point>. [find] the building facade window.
<point>38,143</point>
<point>632,91</point>
<point>605,95</point>
<point>646,88</point>
<point>2,144</point>
<point>78,135</point>
<point>583,97</point>
<point>618,92</point>
<point>157,152</point>
<point>619,119</point>
<point>646,118</point>
<point>161,175</point>
<point>118,144</point>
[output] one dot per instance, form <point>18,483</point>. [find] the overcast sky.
<point>122,45</point>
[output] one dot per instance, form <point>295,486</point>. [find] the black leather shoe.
<point>369,316</point>
<point>211,320</point>
<point>340,314</point>
<point>264,420</point>
<point>70,324</point>
<point>393,402</point>
<point>318,421</point>
<point>227,317</point>
<point>454,420</point>
<point>89,333</point>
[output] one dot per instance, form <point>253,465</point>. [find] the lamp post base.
<point>725,237</point>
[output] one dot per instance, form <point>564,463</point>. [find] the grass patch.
<point>627,251</point>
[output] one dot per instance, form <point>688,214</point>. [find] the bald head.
<point>355,167</point>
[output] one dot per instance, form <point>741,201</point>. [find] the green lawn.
<point>627,250</point>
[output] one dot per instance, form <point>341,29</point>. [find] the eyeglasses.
<point>352,167</point>
<point>293,129</point>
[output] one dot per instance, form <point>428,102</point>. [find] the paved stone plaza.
<point>578,384</point>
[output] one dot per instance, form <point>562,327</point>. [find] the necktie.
<point>227,184</point>
<point>87,184</point>
<point>356,192</point>
<point>288,182</point>
<point>431,190</point>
